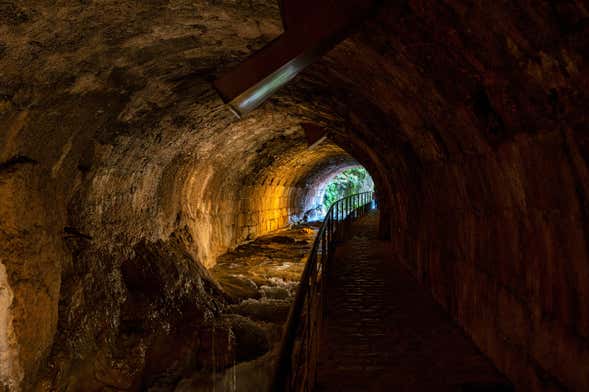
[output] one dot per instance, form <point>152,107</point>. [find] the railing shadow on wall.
<point>297,361</point>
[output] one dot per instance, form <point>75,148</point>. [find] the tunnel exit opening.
<point>344,182</point>
<point>348,182</point>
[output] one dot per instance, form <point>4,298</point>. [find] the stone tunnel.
<point>124,176</point>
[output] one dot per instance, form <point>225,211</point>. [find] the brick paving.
<point>385,333</point>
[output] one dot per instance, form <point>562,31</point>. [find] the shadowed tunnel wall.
<point>120,165</point>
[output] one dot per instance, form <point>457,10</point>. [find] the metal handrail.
<point>297,360</point>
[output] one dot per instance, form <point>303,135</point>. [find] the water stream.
<point>261,278</point>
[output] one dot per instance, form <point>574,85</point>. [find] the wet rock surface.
<point>261,278</point>
<point>154,330</point>
<point>268,267</point>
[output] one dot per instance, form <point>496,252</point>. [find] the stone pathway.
<point>385,333</point>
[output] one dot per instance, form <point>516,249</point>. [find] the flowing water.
<point>261,278</point>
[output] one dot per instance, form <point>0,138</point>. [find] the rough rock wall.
<point>115,154</point>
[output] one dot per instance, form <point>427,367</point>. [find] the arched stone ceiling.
<point>470,116</point>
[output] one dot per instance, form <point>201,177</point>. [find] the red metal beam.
<point>312,27</point>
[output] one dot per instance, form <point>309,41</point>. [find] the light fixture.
<point>312,27</point>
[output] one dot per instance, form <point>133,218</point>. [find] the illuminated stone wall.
<point>222,211</point>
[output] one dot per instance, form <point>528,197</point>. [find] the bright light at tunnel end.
<point>339,183</point>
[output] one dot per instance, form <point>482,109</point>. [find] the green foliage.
<point>348,182</point>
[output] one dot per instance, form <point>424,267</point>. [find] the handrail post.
<point>336,223</point>
<point>328,220</point>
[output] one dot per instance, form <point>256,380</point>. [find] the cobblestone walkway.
<point>385,333</point>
